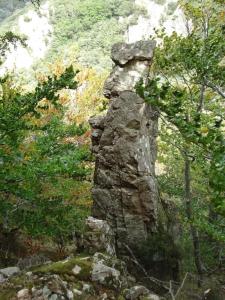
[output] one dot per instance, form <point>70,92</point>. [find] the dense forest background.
<point>46,166</point>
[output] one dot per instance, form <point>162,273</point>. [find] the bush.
<point>37,149</point>
<point>159,255</point>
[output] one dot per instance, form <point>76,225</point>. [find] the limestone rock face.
<point>131,63</point>
<point>98,277</point>
<point>102,272</point>
<point>138,291</point>
<point>123,53</point>
<point>109,271</point>
<point>10,271</point>
<point>23,294</point>
<point>124,142</point>
<point>99,236</point>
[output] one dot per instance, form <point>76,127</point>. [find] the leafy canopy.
<point>188,89</point>
<point>36,148</point>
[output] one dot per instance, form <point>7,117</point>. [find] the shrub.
<point>37,148</point>
<point>159,255</point>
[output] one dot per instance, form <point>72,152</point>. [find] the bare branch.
<point>181,286</point>
<point>214,88</point>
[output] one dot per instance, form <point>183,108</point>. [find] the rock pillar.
<point>124,142</point>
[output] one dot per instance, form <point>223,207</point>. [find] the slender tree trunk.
<point>194,232</point>
<point>201,100</point>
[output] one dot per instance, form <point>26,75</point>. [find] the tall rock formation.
<point>124,142</point>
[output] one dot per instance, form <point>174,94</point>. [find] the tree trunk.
<point>194,232</point>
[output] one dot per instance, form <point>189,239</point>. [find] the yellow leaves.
<point>74,192</point>
<point>41,77</point>
<point>89,97</point>
<point>204,130</point>
<point>57,68</point>
<point>6,149</point>
<point>26,158</point>
<point>85,101</point>
<point>28,147</point>
<point>8,90</point>
<point>64,97</point>
<point>87,203</point>
<point>43,103</point>
<point>46,110</point>
<point>84,139</point>
<point>85,74</point>
<point>222,16</point>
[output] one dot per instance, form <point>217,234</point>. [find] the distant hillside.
<point>8,7</point>
<point>82,29</point>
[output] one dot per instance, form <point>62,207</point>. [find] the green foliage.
<point>93,25</point>
<point>159,251</point>
<point>188,92</point>
<point>35,151</point>
<point>90,52</point>
<point>87,13</point>
<point>171,7</point>
<point>7,40</point>
<point>161,2</point>
<point>66,268</point>
<point>89,26</point>
<point>187,88</point>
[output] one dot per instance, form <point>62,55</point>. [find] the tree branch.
<point>214,88</point>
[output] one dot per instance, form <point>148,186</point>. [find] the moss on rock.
<point>8,294</point>
<point>66,268</point>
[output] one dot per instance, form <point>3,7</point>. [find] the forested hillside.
<point>7,8</point>
<point>79,29</point>
<point>83,28</point>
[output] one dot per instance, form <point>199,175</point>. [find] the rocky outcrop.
<point>99,237</point>
<point>32,261</point>
<point>8,272</point>
<point>138,291</point>
<point>96,276</point>
<point>124,142</point>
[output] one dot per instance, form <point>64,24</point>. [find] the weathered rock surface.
<point>23,294</point>
<point>124,142</point>
<point>98,277</point>
<point>123,53</point>
<point>138,291</point>
<point>2,278</point>
<point>99,237</point>
<point>102,272</point>
<point>32,261</point>
<point>10,271</point>
<point>109,271</point>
